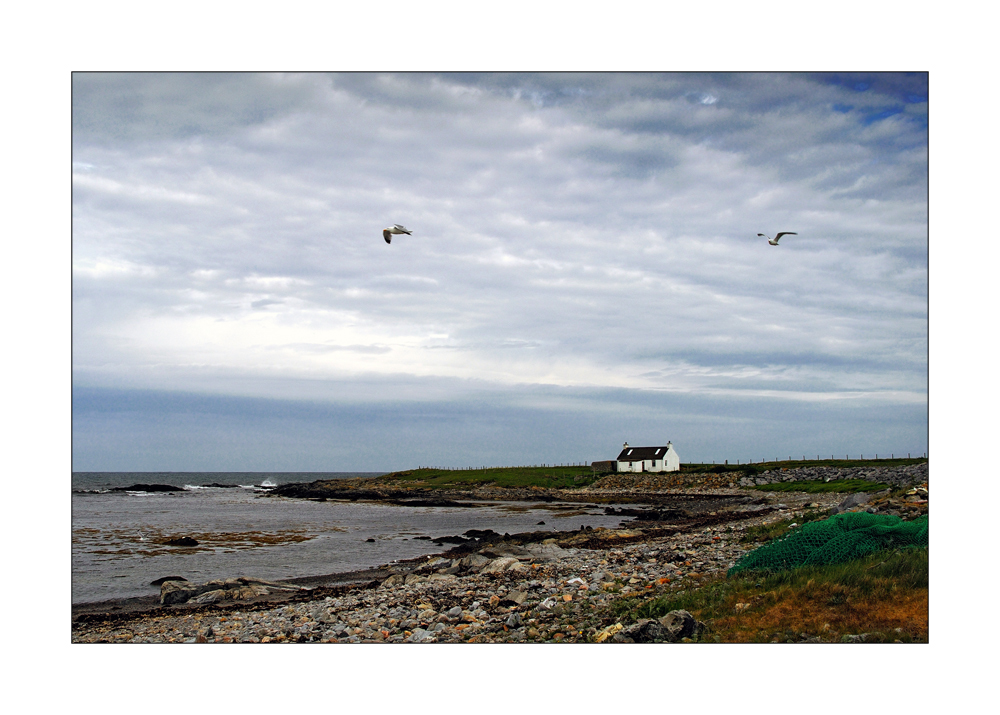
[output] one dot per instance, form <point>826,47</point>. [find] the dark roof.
<point>638,454</point>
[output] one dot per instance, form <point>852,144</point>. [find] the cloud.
<point>582,231</point>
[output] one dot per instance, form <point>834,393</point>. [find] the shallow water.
<point>242,532</point>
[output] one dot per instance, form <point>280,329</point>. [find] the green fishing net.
<point>840,538</point>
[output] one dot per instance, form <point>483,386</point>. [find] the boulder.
<point>546,552</point>
<point>677,625</point>
<point>608,632</point>
<point>181,541</point>
<point>474,562</point>
<point>210,596</point>
<point>242,588</point>
<point>148,488</point>
<point>647,631</point>
<point>178,592</point>
<point>851,501</point>
<point>162,580</point>
<point>504,563</point>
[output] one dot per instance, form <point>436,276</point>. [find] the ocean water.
<point>116,536</point>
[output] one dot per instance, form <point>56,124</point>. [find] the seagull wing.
<point>765,236</point>
<point>404,229</point>
<point>785,233</point>
<point>386,235</point>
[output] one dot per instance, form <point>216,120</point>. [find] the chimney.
<point>669,444</point>
<point>625,446</point>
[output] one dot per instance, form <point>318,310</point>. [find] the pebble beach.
<point>541,588</point>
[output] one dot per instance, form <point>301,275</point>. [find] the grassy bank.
<point>884,595</point>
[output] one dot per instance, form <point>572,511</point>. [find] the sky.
<point>584,268</point>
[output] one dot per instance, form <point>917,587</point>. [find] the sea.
<point>117,536</point>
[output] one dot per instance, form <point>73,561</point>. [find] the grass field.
<point>817,487</point>
<point>884,595</point>
<point>568,477</point>
<point>548,477</point>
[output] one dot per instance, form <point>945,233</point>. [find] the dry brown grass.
<point>884,595</point>
<point>827,610</point>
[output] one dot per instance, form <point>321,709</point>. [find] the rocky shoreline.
<point>533,587</point>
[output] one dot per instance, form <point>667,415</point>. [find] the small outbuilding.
<point>649,459</point>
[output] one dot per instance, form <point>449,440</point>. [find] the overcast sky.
<point>584,268</point>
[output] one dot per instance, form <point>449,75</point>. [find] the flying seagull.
<point>772,241</point>
<point>396,228</point>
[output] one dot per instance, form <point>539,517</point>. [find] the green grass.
<point>545,477</point>
<point>819,487</point>
<point>763,533</point>
<point>580,476</point>
<point>757,467</point>
<point>884,594</point>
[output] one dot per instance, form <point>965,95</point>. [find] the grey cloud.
<point>596,225</point>
<point>110,107</point>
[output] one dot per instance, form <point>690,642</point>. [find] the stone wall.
<point>896,476</point>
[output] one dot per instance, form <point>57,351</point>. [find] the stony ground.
<point>536,588</point>
<point>559,589</point>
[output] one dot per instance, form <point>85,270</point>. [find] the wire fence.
<point>485,468</point>
<point>819,458</point>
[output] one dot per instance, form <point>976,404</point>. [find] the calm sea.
<point>242,532</point>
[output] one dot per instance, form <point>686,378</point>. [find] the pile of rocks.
<point>897,476</point>
<point>180,590</point>
<point>662,481</point>
<point>911,505</point>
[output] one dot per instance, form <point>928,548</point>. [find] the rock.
<point>851,501</point>
<point>473,562</point>
<point>210,596</point>
<point>178,592</point>
<point>514,621</point>
<point>546,605</point>
<point>677,625</point>
<point>321,614</point>
<point>859,638</point>
<point>514,598</point>
<point>394,580</point>
<point>504,563</point>
<point>172,592</point>
<point>648,631</point>
<point>419,634</point>
<point>546,552</point>
<point>608,632</point>
<point>181,541</point>
<point>148,488</point>
<point>164,579</point>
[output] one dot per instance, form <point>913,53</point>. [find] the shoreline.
<point>541,586</point>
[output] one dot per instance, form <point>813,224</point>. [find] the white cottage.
<point>649,459</point>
